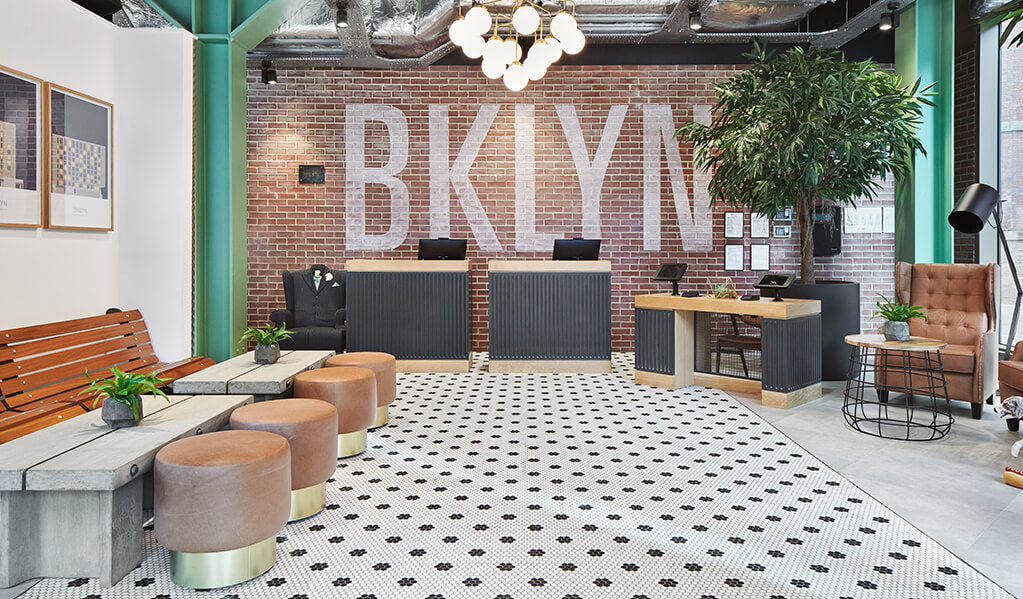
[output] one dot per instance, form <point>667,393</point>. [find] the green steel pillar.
<point>225,30</point>
<point>925,49</point>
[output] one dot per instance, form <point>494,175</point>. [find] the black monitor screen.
<point>773,281</point>
<point>442,249</point>
<point>576,249</point>
<point>670,272</point>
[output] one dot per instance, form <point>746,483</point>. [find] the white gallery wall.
<point>145,262</point>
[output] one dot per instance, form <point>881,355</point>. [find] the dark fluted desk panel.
<point>411,315</point>
<point>549,315</point>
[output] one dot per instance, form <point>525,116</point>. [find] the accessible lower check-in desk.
<point>790,346</point>
<point>549,316</point>
<point>416,310</point>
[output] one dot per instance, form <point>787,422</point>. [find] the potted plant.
<point>802,129</point>
<point>268,348</point>
<point>896,318</point>
<point>122,404</point>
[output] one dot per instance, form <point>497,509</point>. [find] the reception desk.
<point>790,346</point>
<point>549,316</point>
<point>416,310</point>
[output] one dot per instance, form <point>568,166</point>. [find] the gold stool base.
<point>308,501</point>
<point>381,419</point>
<point>222,568</point>
<point>349,444</point>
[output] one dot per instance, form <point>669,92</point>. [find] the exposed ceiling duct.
<point>413,33</point>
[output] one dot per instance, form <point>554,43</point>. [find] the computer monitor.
<point>442,249</point>
<point>673,273</point>
<point>576,249</point>
<point>773,281</point>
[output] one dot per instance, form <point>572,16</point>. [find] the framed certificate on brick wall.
<point>79,143</point>
<point>21,149</point>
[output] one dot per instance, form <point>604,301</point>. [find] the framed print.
<point>783,230</point>
<point>759,226</point>
<point>21,149</point>
<point>734,258</point>
<point>79,142</point>
<point>760,257</point>
<point>733,225</point>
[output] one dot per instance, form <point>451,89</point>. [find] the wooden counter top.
<point>550,266</point>
<point>368,265</point>
<point>788,308</point>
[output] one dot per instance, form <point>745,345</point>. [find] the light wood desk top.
<point>787,308</point>
<point>876,341</point>
<point>367,265</point>
<point>550,266</point>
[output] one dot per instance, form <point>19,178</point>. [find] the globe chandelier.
<point>553,33</point>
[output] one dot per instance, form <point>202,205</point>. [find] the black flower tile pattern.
<point>518,486</point>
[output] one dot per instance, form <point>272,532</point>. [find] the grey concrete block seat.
<point>314,314</point>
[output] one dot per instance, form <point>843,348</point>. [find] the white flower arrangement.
<point>328,277</point>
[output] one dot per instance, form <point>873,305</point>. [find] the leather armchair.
<point>316,317</point>
<point>1010,380</point>
<point>960,301</point>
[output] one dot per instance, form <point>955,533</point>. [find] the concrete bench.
<point>71,495</point>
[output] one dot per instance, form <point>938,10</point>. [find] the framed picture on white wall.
<point>79,143</point>
<point>21,149</point>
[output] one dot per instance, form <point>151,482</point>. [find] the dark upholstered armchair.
<point>316,316</point>
<point>960,301</point>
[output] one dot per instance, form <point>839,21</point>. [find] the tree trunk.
<point>806,270</point>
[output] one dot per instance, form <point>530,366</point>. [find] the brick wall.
<point>966,125</point>
<point>18,105</point>
<point>302,121</point>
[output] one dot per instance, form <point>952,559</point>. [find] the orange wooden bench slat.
<point>30,385</point>
<point>66,326</point>
<point>30,348</point>
<point>14,425</point>
<point>69,356</point>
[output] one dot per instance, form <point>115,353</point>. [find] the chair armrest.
<point>1017,352</point>
<point>339,318</point>
<point>283,317</point>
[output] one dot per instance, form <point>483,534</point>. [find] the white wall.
<point>145,262</point>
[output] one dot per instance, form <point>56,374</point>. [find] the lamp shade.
<point>973,208</point>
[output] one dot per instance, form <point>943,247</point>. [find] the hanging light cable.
<point>553,33</point>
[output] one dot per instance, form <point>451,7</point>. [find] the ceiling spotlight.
<point>890,19</point>
<point>269,74</point>
<point>695,21</point>
<point>342,15</point>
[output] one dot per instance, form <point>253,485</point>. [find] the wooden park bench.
<point>43,367</point>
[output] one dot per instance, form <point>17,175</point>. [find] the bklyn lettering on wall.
<point>692,211</point>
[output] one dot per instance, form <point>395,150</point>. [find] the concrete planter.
<point>896,331</point>
<point>118,414</point>
<point>267,354</point>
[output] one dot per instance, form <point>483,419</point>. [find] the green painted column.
<point>225,30</point>
<point>925,49</point>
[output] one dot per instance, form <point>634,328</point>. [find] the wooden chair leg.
<point>742,357</point>
<point>991,399</point>
<point>976,409</point>
<point>717,367</point>
<point>882,395</point>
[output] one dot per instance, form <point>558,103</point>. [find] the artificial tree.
<point>806,127</point>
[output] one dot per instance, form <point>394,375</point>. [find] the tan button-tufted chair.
<point>960,301</point>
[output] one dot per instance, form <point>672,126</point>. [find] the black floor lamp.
<point>971,212</point>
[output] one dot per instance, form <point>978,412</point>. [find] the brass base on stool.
<point>381,419</point>
<point>222,568</point>
<point>349,444</point>
<point>308,501</point>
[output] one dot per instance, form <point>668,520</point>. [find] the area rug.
<point>520,486</point>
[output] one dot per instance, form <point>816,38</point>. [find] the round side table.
<point>913,368</point>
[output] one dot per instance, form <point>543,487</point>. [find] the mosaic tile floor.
<point>580,487</point>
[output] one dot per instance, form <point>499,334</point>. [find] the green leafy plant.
<point>126,388</point>
<point>806,127</point>
<point>897,312</point>
<point>268,336</point>
<point>1010,13</point>
<point>722,291</point>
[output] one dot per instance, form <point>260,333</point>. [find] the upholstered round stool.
<point>353,391</point>
<point>384,367</point>
<point>220,499</point>
<point>310,426</point>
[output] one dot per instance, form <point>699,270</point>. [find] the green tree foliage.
<point>806,127</point>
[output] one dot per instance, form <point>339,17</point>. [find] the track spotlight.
<point>342,15</point>
<point>890,19</point>
<point>269,74</point>
<point>695,20</point>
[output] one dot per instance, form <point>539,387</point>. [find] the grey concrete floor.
<point>951,489</point>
